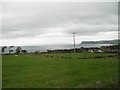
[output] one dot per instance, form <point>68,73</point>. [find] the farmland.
<point>64,70</point>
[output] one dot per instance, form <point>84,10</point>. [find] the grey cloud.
<point>32,19</point>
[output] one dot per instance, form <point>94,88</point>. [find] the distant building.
<point>90,50</point>
<point>98,51</point>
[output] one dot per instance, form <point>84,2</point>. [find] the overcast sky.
<point>49,23</point>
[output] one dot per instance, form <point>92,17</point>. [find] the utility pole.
<point>74,40</point>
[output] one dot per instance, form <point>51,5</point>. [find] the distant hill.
<point>101,42</point>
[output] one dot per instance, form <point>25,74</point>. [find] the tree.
<point>10,49</point>
<point>3,49</point>
<point>24,51</point>
<point>18,50</point>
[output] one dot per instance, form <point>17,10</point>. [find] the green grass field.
<point>43,71</point>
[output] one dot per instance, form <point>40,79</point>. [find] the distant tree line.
<point>106,49</point>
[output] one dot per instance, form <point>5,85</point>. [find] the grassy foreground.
<point>30,71</point>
